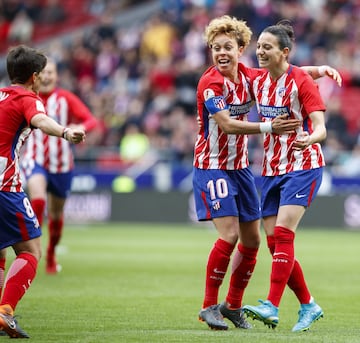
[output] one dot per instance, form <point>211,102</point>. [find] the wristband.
<point>64,134</point>
<point>266,127</point>
<point>322,70</point>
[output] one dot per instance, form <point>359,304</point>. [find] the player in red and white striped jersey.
<point>295,95</point>
<point>21,111</point>
<point>48,162</point>
<point>292,168</point>
<point>224,187</point>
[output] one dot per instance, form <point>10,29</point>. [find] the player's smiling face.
<point>48,77</point>
<point>225,53</point>
<point>268,52</point>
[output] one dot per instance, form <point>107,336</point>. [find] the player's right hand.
<point>75,136</point>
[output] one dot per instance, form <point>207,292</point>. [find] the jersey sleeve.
<point>310,96</point>
<point>32,105</point>
<point>210,93</point>
<point>80,113</point>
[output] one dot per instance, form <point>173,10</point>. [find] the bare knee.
<point>32,246</point>
<point>250,235</point>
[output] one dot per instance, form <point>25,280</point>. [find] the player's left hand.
<point>332,73</point>
<point>302,141</point>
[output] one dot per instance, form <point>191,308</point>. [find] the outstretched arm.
<point>324,70</point>
<point>52,128</point>
<point>279,125</point>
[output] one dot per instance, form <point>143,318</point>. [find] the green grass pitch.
<point>144,283</point>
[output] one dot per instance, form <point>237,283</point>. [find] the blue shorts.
<point>58,184</point>
<point>17,219</point>
<point>222,193</point>
<point>295,188</point>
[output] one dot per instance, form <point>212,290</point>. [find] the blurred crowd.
<point>19,19</point>
<point>140,80</point>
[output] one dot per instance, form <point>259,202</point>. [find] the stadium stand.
<point>138,63</point>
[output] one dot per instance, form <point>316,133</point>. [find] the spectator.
<point>329,35</point>
<point>157,39</point>
<point>52,12</point>
<point>21,28</point>
<point>134,145</point>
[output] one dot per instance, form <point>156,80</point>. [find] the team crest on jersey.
<point>216,205</point>
<point>219,102</point>
<point>282,91</point>
<point>208,93</point>
<point>3,96</point>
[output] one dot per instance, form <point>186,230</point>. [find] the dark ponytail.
<point>284,33</point>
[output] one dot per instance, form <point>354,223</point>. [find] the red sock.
<point>19,277</point>
<point>282,263</point>
<point>271,244</point>
<point>217,265</point>
<point>298,285</point>
<point>2,273</point>
<point>243,265</point>
<point>55,231</point>
<point>296,280</point>
<point>38,206</point>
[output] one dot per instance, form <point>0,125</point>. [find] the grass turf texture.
<point>144,283</point>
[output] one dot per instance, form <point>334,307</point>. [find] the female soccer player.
<point>48,162</point>
<point>292,169</point>
<point>21,111</point>
<point>224,186</point>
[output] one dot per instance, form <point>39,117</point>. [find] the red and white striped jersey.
<point>17,107</point>
<point>54,153</point>
<point>296,94</point>
<point>215,149</point>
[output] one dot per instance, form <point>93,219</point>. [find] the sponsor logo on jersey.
<point>237,110</point>
<point>273,111</point>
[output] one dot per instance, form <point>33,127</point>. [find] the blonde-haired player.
<point>224,186</point>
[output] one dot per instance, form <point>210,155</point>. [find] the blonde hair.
<point>230,26</point>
